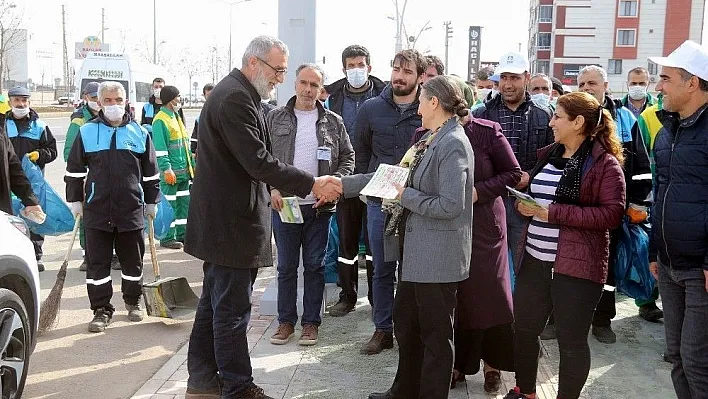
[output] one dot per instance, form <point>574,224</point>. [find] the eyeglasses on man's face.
<point>278,71</point>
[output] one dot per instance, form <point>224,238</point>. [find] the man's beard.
<point>406,90</point>
<point>262,85</point>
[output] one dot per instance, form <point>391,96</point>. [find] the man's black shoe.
<point>651,313</point>
<point>604,334</point>
<point>381,395</point>
<point>101,320</point>
<point>341,308</point>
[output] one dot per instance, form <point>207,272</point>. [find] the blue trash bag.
<point>163,219</point>
<point>332,252</point>
<point>60,219</point>
<point>632,274</point>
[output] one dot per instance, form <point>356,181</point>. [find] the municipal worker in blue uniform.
<point>113,181</point>
<point>152,107</point>
<point>30,137</point>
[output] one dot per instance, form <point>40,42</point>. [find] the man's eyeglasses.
<point>278,71</point>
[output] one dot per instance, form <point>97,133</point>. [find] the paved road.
<point>70,362</point>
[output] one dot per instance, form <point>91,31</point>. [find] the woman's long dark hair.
<point>598,121</point>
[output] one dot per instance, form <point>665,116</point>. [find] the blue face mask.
<point>541,99</point>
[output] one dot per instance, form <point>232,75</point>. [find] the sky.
<point>193,28</point>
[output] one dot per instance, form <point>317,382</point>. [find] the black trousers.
<point>423,316</point>
<point>130,248</point>
<point>573,301</point>
<point>606,309</point>
<point>37,242</point>
<point>351,221</point>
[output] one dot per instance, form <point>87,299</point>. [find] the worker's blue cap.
<point>494,78</point>
<point>91,89</point>
<point>18,91</point>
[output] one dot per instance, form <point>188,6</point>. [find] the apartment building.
<point>618,35</point>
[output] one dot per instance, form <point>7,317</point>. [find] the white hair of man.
<point>316,67</point>
<point>261,46</point>
<point>544,76</point>
<point>594,68</point>
<point>110,87</point>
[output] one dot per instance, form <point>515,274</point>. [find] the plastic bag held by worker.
<point>164,218</point>
<point>632,273</point>
<point>59,219</point>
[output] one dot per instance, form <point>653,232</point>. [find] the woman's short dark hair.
<point>448,94</point>
<point>598,121</point>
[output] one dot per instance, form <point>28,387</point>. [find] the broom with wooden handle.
<point>50,306</point>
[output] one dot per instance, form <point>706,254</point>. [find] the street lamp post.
<point>154,31</point>
<point>231,8</point>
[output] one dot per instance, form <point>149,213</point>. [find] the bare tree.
<point>10,35</point>
<point>191,64</point>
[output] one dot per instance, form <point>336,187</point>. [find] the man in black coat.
<point>230,218</point>
<point>13,179</point>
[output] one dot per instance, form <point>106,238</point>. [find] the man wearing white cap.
<point>524,124</point>
<point>679,245</point>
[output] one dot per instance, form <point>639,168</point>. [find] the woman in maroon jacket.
<point>579,189</point>
<point>483,324</point>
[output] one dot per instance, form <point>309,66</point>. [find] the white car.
<point>19,304</point>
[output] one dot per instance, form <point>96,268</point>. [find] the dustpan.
<point>169,297</point>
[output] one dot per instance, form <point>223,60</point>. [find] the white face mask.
<point>114,113</point>
<point>357,77</point>
<point>176,107</point>
<point>93,105</point>
<point>20,112</point>
<point>541,99</point>
<point>483,93</point>
<point>637,92</point>
<point>156,93</point>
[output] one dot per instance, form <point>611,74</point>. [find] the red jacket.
<point>584,237</point>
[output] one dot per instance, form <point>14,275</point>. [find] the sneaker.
<point>549,332</point>
<point>115,263</point>
<point>604,334</point>
<point>283,335</point>
<point>40,266</point>
<point>309,335</point>
<point>651,313</point>
<point>172,244</point>
<point>492,381</point>
<point>253,391</point>
<point>195,394</point>
<point>379,341</point>
<point>341,308</point>
<point>101,320</point>
<point>83,266</point>
<point>135,313</point>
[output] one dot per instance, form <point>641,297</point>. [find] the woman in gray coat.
<point>432,222</point>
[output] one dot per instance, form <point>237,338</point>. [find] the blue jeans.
<point>514,230</point>
<point>312,237</point>
<point>685,303</point>
<point>218,348</point>
<point>384,272</point>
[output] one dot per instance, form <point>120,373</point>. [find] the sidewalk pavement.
<point>631,368</point>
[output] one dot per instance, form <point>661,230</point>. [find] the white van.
<point>135,76</point>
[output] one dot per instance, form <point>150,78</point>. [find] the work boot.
<point>40,266</point>
<point>283,335</point>
<point>604,334</point>
<point>135,313</point>
<point>115,263</point>
<point>253,391</point>
<point>341,308</point>
<point>101,320</point>
<point>172,244</point>
<point>651,313</point>
<point>309,335</point>
<point>84,265</point>
<point>195,394</point>
<point>379,341</point>
<point>549,332</point>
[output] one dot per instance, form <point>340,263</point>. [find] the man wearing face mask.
<point>112,180</point>
<point>29,136</point>
<point>152,107</point>
<point>638,97</point>
<point>82,115</point>
<point>176,162</point>
<point>485,86</point>
<point>540,88</point>
<point>346,97</point>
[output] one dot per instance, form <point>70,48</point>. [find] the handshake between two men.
<point>326,189</point>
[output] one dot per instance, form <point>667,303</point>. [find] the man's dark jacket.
<point>12,178</point>
<point>680,215</point>
<point>535,135</point>
<point>229,211</point>
<point>382,132</point>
